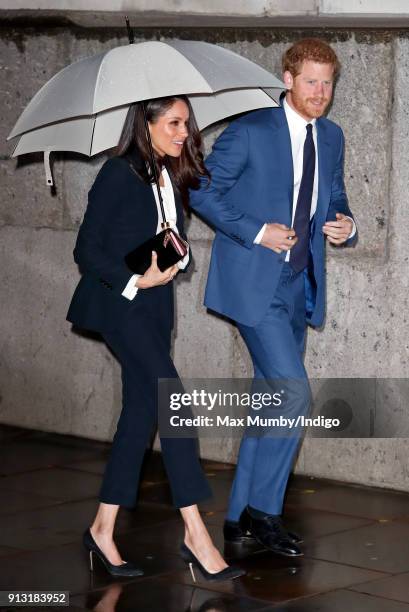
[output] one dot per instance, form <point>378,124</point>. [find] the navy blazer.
<point>121,215</point>
<point>251,184</point>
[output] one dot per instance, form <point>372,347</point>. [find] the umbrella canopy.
<point>139,72</point>
<point>96,133</point>
<point>84,106</point>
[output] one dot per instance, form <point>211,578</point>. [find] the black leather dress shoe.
<point>239,532</point>
<point>294,537</point>
<point>233,533</point>
<point>245,523</point>
<point>270,533</point>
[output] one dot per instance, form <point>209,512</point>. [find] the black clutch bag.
<point>169,247</point>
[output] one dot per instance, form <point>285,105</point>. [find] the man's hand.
<point>338,231</point>
<point>154,277</point>
<point>278,237</point>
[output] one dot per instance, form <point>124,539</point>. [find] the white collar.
<point>167,183</point>
<point>166,178</point>
<point>296,123</point>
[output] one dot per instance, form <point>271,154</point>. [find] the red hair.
<point>309,49</point>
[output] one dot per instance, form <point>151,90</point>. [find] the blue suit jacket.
<point>251,184</point>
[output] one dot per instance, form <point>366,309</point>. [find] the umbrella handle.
<point>47,167</point>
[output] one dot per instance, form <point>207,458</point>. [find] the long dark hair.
<point>184,170</point>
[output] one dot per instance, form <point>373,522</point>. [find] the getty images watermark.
<point>340,407</point>
<point>200,398</point>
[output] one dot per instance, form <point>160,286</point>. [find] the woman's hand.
<point>154,277</point>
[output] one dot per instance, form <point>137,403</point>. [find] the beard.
<point>312,108</point>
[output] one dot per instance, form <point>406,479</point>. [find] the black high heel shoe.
<point>228,573</point>
<point>126,569</point>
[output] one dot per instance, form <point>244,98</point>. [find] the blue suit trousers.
<point>276,346</point>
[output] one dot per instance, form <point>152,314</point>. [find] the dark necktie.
<point>299,252</point>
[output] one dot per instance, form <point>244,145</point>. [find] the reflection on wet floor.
<point>355,538</point>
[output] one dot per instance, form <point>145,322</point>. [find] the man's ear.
<point>288,79</point>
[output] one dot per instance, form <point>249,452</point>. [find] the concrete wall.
<point>331,14</point>
<point>249,8</point>
<point>57,380</point>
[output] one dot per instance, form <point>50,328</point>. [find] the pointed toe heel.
<point>126,569</point>
<point>228,573</point>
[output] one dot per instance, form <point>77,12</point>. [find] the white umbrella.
<point>83,107</point>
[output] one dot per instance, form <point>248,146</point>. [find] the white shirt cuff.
<point>259,236</point>
<point>353,232</point>
<point>130,290</point>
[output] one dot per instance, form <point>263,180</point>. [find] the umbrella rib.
<point>92,136</point>
<point>96,82</point>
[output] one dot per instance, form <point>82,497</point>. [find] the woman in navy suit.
<point>134,315</point>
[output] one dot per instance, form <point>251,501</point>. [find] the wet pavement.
<point>356,539</point>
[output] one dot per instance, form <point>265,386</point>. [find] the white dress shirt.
<point>168,198</point>
<point>297,127</point>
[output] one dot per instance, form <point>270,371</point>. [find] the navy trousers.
<point>276,346</point>
<point>142,346</point>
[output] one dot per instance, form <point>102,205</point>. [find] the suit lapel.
<point>324,170</point>
<point>134,159</point>
<point>282,142</point>
<point>151,208</point>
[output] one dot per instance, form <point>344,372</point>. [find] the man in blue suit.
<point>276,194</point>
